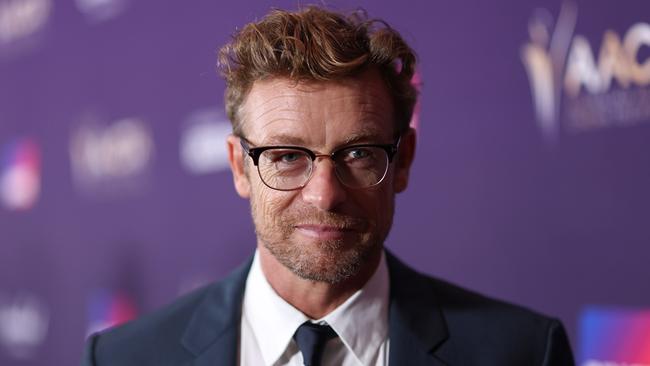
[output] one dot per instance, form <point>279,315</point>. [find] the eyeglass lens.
<point>356,167</point>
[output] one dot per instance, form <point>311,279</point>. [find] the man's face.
<point>323,231</point>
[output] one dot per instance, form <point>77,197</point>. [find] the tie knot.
<point>311,339</point>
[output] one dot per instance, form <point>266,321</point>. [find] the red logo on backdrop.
<point>109,308</point>
<point>614,336</point>
<point>20,174</point>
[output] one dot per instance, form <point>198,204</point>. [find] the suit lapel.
<point>417,328</point>
<point>212,335</point>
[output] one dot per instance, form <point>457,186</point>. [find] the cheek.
<point>267,205</point>
<point>378,206</point>
<point>387,209</point>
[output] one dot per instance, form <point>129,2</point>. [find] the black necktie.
<point>311,339</point>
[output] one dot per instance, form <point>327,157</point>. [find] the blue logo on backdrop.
<point>614,336</point>
<point>108,309</point>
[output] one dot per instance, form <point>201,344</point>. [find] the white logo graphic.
<point>611,363</point>
<point>105,154</point>
<point>101,10</point>
<point>203,143</point>
<point>560,62</point>
<point>23,325</point>
<point>21,19</point>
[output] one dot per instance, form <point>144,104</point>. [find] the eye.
<point>360,157</point>
<point>288,157</point>
<point>285,157</point>
<point>357,154</point>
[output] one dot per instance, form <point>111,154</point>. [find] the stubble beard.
<point>332,261</point>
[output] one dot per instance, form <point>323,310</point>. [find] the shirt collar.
<point>362,320</point>
<point>274,321</point>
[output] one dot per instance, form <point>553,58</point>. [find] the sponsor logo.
<point>203,142</point>
<point>98,11</point>
<point>614,337</point>
<point>576,90</point>
<point>20,174</point>
<point>24,322</point>
<point>109,308</point>
<point>20,20</point>
<point>111,157</point>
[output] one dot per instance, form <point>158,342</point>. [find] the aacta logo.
<point>576,90</point>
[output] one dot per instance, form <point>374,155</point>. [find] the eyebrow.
<point>363,137</point>
<point>284,140</point>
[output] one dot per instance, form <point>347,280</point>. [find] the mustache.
<point>327,218</point>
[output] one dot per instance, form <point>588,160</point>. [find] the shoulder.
<point>455,301</point>
<point>480,325</point>
<point>157,338</point>
<point>144,338</point>
<point>499,329</point>
<point>475,315</point>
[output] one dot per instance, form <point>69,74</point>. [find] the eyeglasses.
<point>287,168</point>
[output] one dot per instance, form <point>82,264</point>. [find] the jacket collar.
<point>212,335</point>
<point>417,327</point>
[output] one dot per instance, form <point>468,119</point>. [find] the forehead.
<point>318,114</point>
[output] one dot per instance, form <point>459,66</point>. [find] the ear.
<point>404,159</point>
<point>236,158</point>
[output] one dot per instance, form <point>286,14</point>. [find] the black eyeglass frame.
<point>255,153</point>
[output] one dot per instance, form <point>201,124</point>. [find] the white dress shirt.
<point>269,322</point>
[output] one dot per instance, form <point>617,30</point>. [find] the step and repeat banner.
<point>531,181</point>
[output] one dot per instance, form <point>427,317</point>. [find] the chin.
<point>330,261</point>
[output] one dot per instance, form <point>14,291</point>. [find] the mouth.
<point>324,232</point>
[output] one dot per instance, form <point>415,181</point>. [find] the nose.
<point>324,190</point>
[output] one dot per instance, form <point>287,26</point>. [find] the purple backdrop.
<point>530,182</point>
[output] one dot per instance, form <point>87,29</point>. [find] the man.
<point>321,143</point>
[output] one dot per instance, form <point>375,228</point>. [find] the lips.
<point>324,232</point>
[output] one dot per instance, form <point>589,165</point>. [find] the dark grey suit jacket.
<point>431,322</point>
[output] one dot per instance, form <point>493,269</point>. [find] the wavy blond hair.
<point>316,44</point>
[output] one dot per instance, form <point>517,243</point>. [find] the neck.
<point>315,299</point>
